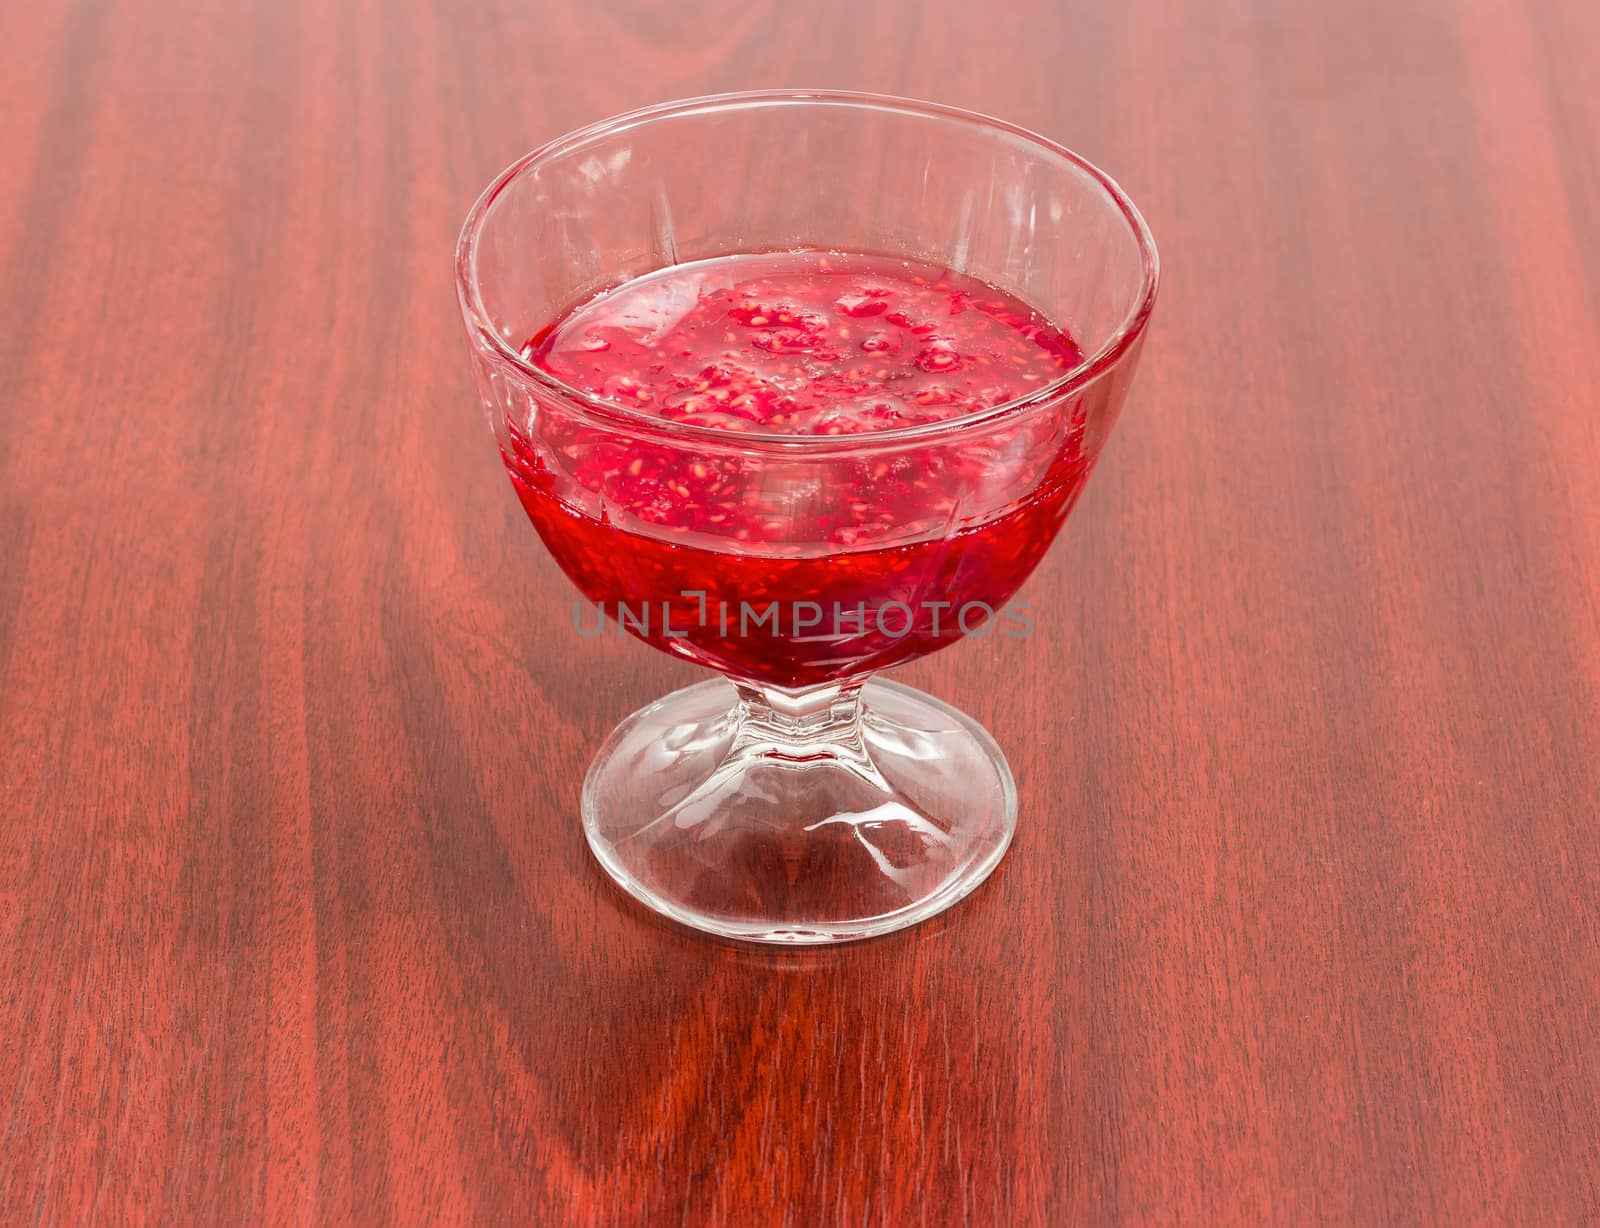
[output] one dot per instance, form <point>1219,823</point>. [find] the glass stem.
<point>820,722</point>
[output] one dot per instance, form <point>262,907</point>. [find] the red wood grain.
<point>1302,923</point>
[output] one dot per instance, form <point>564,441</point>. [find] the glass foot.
<point>814,817</point>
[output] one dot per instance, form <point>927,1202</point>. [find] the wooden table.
<point>1302,924</point>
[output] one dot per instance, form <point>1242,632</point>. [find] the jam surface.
<point>805,343</point>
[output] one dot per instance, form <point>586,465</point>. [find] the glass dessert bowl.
<point>799,386</point>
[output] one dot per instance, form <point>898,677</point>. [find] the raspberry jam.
<point>801,564</point>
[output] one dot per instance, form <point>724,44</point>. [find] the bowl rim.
<point>1093,366</point>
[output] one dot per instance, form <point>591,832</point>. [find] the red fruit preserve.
<point>824,556</point>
